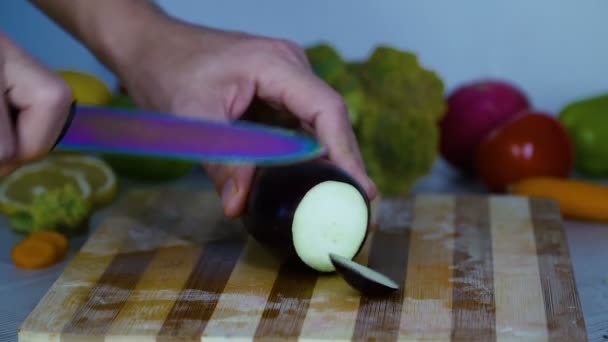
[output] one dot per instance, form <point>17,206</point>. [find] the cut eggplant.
<point>306,211</point>
<point>365,280</point>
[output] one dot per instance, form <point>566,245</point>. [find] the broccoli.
<point>62,209</point>
<point>398,128</point>
<point>329,65</point>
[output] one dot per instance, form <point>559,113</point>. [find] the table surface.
<point>21,290</point>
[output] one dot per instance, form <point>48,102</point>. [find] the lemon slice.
<point>18,189</point>
<point>99,175</point>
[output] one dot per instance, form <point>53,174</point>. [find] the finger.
<point>44,101</point>
<point>318,105</point>
<point>232,183</point>
<point>7,135</point>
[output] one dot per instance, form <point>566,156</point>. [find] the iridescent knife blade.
<point>137,132</point>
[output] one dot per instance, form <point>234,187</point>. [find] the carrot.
<point>34,254</point>
<point>56,238</point>
<point>577,199</point>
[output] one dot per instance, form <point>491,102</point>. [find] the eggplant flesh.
<point>302,213</point>
<point>364,279</point>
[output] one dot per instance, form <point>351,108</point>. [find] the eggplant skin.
<point>275,194</point>
<point>359,282</point>
<point>367,286</point>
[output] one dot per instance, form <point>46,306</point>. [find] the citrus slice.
<point>98,174</point>
<point>18,189</point>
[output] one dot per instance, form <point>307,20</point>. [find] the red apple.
<point>475,109</point>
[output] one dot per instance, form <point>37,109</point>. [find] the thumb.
<point>232,183</point>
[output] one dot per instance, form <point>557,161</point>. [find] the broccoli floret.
<point>329,65</point>
<point>398,129</point>
<point>397,79</point>
<point>62,209</point>
<point>325,61</point>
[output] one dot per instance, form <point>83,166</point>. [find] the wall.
<point>556,50</point>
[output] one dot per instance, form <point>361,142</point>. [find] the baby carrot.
<point>577,199</point>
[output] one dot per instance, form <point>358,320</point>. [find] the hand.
<point>39,98</point>
<point>194,71</point>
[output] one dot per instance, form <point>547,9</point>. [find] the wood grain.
<point>562,306</point>
<point>471,268</point>
<point>520,311</point>
<point>199,296</point>
<point>473,304</point>
<point>428,289</point>
<point>379,318</point>
<point>241,305</point>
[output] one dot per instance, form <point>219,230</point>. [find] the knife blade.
<point>148,133</point>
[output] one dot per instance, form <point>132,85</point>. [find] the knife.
<point>149,133</point>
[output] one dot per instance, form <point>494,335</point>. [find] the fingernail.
<point>229,190</point>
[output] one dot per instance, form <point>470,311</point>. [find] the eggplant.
<point>301,213</point>
<point>363,279</point>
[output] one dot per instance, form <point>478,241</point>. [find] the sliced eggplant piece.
<point>303,212</point>
<point>363,279</point>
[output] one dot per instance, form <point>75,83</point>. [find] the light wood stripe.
<point>72,288</point>
<point>473,305</point>
<point>332,312</point>
<point>378,317</point>
<point>427,302</point>
<point>153,297</point>
<point>520,309</point>
<point>565,320</point>
<point>242,303</point>
<point>197,300</point>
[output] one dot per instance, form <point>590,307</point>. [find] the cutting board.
<point>167,266</point>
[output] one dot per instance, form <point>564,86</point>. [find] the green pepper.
<point>586,121</point>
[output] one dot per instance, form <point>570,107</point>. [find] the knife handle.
<point>66,124</point>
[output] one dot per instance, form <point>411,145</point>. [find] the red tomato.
<point>531,144</point>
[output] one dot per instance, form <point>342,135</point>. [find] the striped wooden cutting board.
<point>167,266</point>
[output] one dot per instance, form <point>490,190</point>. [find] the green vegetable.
<point>586,121</point>
<point>62,209</point>
<point>395,106</point>
<point>398,130</point>
<point>328,65</point>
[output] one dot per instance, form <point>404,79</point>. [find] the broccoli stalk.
<point>63,209</point>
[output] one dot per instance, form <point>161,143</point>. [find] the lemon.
<point>99,175</point>
<point>86,88</point>
<point>18,189</point>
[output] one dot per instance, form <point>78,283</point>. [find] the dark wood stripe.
<point>198,298</point>
<point>565,320</point>
<point>473,303</point>
<point>378,318</point>
<point>107,297</point>
<point>287,304</point>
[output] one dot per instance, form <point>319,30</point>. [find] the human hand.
<point>41,101</point>
<point>196,71</point>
